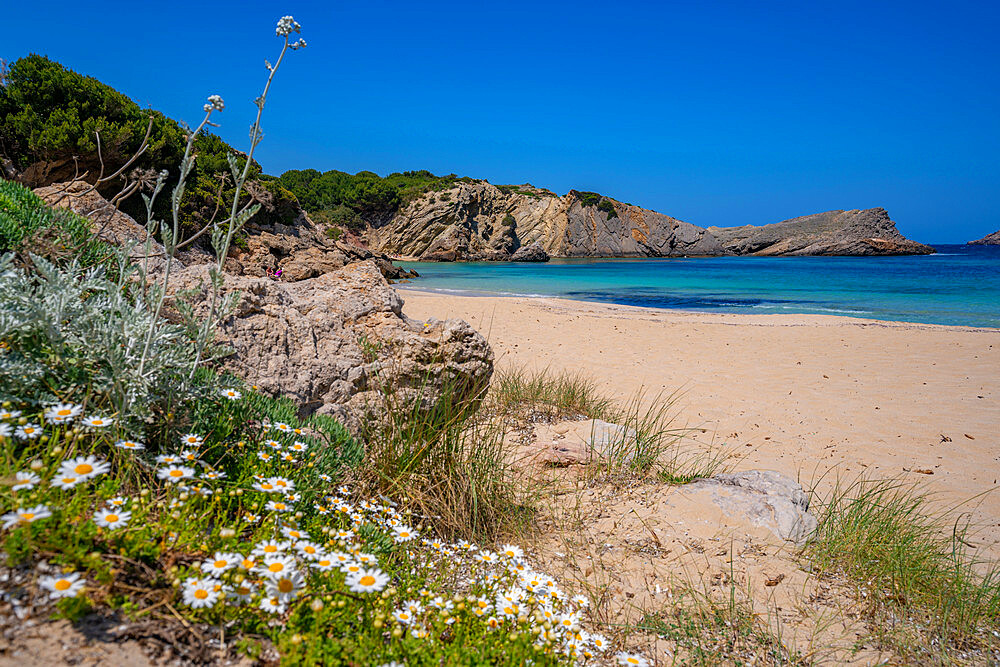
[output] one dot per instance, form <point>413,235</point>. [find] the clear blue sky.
<point>717,113</point>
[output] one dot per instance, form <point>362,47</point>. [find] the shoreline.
<point>409,288</point>
<point>816,397</point>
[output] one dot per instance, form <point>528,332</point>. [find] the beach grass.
<point>927,596</point>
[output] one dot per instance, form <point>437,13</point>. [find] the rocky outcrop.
<point>857,232</point>
<point>764,498</point>
<point>989,239</point>
<point>328,342</point>
<point>530,253</point>
<point>479,221</point>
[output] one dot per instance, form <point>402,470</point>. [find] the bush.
<point>607,207</point>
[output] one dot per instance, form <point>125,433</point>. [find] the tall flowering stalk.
<point>222,236</point>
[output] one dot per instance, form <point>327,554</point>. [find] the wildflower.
<point>366,559</point>
<point>130,444</point>
<point>214,474</point>
<point>251,518</point>
<point>295,534</point>
<point>340,557</point>
<point>277,566</point>
<point>272,605</point>
<point>264,456</point>
<point>25,515</point>
<point>512,552</point>
<point>5,430</point>
<point>86,467</point>
<point>580,601</point>
<point>231,394</point>
<point>323,563</point>
<point>404,616</point>
<point>174,474</point>
<point>25,481</point>
<point>492,623</point>
<point>485,556</point>
<point>273,444</point>
<point>239,593</point>
<point>117,501</point>
<point>168,458</point>
<point>286,26</point>
<point>62,586</point>
<point>343,490</point>
<point>289,458</point>
<point>192,440</point>
<point>344,535</point>
<point>270,548</point>
<point>281,426</point>
<point>298,446</point>
<point>10,415</point>
<point>112,519</point>
<point>598,642</point>
<point>221,562</point>
<point>188,455</point>
<point>266,487</point>
<point>293,497</point>
<point>247,564</point>
<point>631,659</point>
<point>62,413</point>
<point>367,581</point>
<point>28,432</point>
<point>325,478</point>
<point>66,481</point>
<point>199,593</point>
<point>279,506</point>
<point>286,587</point>
<point>404,533</point>
<point>98,422</point>
<point>282,484</point>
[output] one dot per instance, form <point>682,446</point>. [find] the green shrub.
<point>607,207</point>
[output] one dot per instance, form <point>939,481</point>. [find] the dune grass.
<point>927,596</point>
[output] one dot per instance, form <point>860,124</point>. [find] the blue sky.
<point>718,113</point>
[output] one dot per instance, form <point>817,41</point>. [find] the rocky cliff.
<point>989,239</point>
<point>480,221</point>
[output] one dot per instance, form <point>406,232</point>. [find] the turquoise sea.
<point>958,285</point>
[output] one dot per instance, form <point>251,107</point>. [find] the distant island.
<point>989,239</point>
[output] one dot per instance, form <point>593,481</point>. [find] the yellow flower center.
<point>270,549</point>
<point>310,549</point>
<point>176,473</point>
<point>221,563</point>
<point>285,586</point>
<point>279,506</point>
<point>22,482</point>
<point>64,412</point>
<point>324,563</point>
<point>367,580</point>
<point>248,563</point>
<point>201,594</point>
<point>29,430</point>
<point>276,567</point>
<point>83,469</point>
<point>63,584</point>
<point>111,518</point>
<point>266,487</point>
<point>632,661</point>
<point>27,516</point>
<point>68,480</point>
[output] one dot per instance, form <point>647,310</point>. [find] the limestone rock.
<point>867,232</point>
<point>989,239</point>
<point>313,341</point>
<point>763,497</point>
<point>579,442</point>
<point>530,253</point>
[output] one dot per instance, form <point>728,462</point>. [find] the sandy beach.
<point>811,396</point>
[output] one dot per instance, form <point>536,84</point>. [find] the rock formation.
<point>867,232</point>
<point>989,239</point>
<point>327,342</point>
<point>479,221</point>
<point>530,253</point>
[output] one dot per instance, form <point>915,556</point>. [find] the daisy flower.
<point>344,535</point>
<point>238,593</point>
<point>271,548</point>
<point>66,481</point>
<point>188,455</point>
<point>133,445</point>
<point>220,562</point>
<point>631,659</point>
<point>168,459</point>
<point>277,566</point>
<point>214,474</point>
<point>28,432</point>
<point>25,481</point>
<point>10,415</point>
<point>340,557</point>
<point>289,458</point>
<point>351,568</point>
<point>485,556</point>
<point>492,623</point>
<point>367,581</point>
<point>251,518</point>
<point>512,552</point>
<point>286,587</point>
<point>62,413</point>
<point>598,642</point>
<point>323,563</point>
<point>404,533</point>
<point>199,593</point>
<point>231,394</point>
<point>281,426</point>
<point>273,444</point>
<point>293,497</point>
<point>117,501</point>
<point>5,430</point>
<point>192,440</point>
<point>325,478</point>
<point>63,585</point>
<point>112,518</point>
<point>366,559</point>
<point>86,467</point>
<point>264,456</point>
<point>298,446</point>
<point>174,474</point>
<point>273,605</point>
<point>282,484</point>
<point>279,506</point>
<point>404,616</point>
<point>94,421</point>
<point>265,486</point>
<point>247,564</point>
<point>295,534</point>
<point>343,490</point>
<point>25,515</point>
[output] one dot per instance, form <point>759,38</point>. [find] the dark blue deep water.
<point>958,285</point>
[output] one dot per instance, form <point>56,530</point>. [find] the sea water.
<point>959,285</point>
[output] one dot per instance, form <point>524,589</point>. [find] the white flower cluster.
<point>286,26</point>
<point>214,103</point>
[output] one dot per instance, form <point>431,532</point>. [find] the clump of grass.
<point>925,593</point>
<point>563,394</point>
<point>706,631</point>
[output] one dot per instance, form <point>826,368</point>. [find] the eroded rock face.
<point>326,341</point>
<point>479,221</point>
<point>857,232</point>
<point>764,498</point>
<point>989,239</point>
<point>530,253</point>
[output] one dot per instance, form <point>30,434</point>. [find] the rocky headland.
<point>478,221</point>
<point>989,239</point>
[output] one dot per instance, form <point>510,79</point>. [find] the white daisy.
<point>404,533</point>
<point>272,605</point>
<point>221,562</point>
<point>298,446</point>
<point>367,581</point>
<point>94,421</point>
<point>66,481</point>
<point>63,585</point>
<point>231,394</point>
<point>133,445</point>
<point>25,480</point>
<point>199,593</point>
<point>10,414</point>
<point>174,474</point>
<point>631,659</point>
<point>28,431</point>
<point>112,518</point>
<point>117,501</point>
<point>277,566</point>
<point>25,515</point>
<point>286,587</point>
<point>62,413</point>
<point>192,440</point>
<point>264,456</point>
<point>86,467</point>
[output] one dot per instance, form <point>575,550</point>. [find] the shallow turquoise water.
<point>959,285</point>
